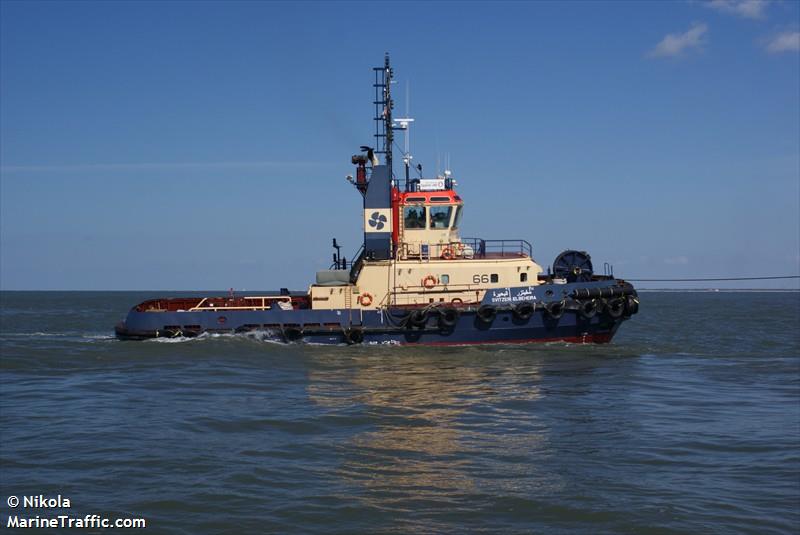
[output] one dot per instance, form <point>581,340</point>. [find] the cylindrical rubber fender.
<point>615,307</point>
<point>354,336</point>
<point>586,293</point>
<point>448,317</point>
<point>631,305</point>
<point>588,309</point>
<point>486,313</point>
<point>555,309</point>
<point>419,317</point>
<point>524,311</point>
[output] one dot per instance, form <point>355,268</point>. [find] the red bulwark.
<point>426,196</point>
<point>395,218</point>
<point>598,338</point>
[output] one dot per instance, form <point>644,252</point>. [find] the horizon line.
<point>227,290</point>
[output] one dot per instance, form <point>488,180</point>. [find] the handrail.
<point>348,265</point>
<point>475,248</point>
<point>266,304</point>
<point>481,247</point>
<point>355,268</point>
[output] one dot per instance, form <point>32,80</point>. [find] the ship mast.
<point>384,135</point>
<point>404,124</point>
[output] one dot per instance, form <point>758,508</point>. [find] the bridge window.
<point>457,219</point>
<point>523,277</point>
<point>414,217</point>
<point>444,279</point>
<point>440,216</point>
<point>494,277</point>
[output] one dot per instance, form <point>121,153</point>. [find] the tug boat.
<point>414,280</point>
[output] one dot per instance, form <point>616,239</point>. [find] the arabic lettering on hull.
<point>512,295</point>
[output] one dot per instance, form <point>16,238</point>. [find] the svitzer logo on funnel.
<point>377,220</point>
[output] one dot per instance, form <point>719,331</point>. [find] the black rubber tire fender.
<point>524,311</point>
<point>615,307</point>
<point>292,334</point>
<point>486,313</point>
<point>448,317</point>
<point>419,317</point>
<point>555,309</point>
<point>631,305</point>
<point>354,336</point>
<point>588,309</point>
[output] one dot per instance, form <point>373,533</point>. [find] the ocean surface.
<point>689,422</point>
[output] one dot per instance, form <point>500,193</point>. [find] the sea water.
<point>688,422</point>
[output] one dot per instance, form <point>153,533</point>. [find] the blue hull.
<point>499,319</point>
<point>468,329</point>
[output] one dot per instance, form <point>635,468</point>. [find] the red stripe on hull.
<point>588,339</point>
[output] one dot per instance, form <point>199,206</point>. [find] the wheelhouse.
<point>436,210</point>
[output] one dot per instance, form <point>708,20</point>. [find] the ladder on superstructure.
<point>384,136</point>
<point>348,305</point>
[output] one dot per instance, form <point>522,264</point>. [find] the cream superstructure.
<point>432,263</point>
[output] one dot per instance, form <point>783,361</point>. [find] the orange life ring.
<point>365,300</point>
<point>429,282</point>
<point>448,254</point>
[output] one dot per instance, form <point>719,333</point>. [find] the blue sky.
<point>200,145</point>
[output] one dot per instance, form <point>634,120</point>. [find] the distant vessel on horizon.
<point>414,280</point>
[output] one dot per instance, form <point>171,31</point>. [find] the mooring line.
<point>717,279</point>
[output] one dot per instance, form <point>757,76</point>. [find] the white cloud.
<point>784,42</point>
<point>749,9</point>
<point>674,44</point>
